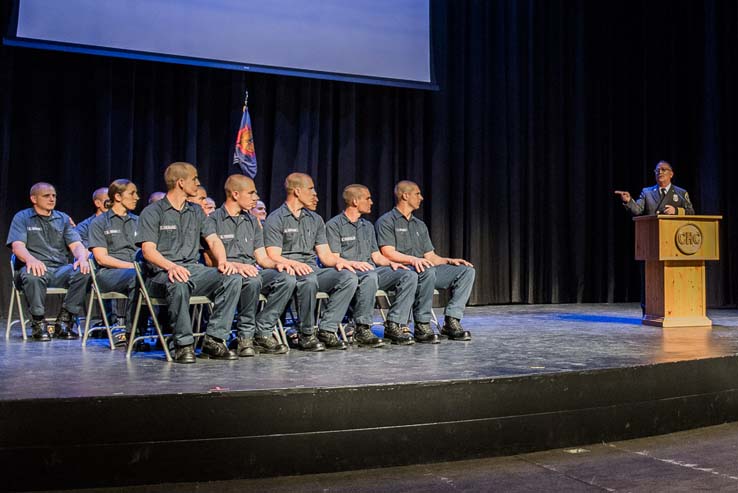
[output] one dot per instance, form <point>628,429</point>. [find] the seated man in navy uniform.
<point>169,234</point>
<point>293,235</point>
<point>39,237</point>
<point>662,198</point>
<point>102,204</point>
<point>404,238</point>
<point>243,239</point>
<point>112,241</point>
<point>352,237</point>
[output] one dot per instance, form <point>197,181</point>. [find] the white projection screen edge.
<point>375,42</point>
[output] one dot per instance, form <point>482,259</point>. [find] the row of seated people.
<point>294,253</point>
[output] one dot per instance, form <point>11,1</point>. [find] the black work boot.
<point>245,347</point>
<point>269,345</point>
<point>396,334</point>
<point>39,331</point>
<point>453,330</point>
<point>213,348</point>
<point>184,354</point>
<point>364,336</point>
<point>64,325</point>
<point>424,334</point>
<point>308,342</point>
<point>331,340</point>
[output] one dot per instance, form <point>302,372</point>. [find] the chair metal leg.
<point>21,317</point>
<point>88,318</point>
<point>283,334</point>
<point>101,305</point>
<point>434,319</point>
<point>163,340</point>
<point>10,314</point>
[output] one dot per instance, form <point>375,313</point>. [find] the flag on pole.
<point>245,154</point>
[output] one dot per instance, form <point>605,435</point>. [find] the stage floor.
<point>507,341</point>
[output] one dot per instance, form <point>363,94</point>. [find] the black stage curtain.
<point>545,108</point>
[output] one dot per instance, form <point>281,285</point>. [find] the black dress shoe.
<point>396,334</point>
<point>424,334</point>
<point>184,354</point>
<point>213,348</point>
<point>268,345</point>
<point>364,336</point>
<point>39,331</point>
<point>453,330</point>
<point>331,340</point>
<point>308,342</point>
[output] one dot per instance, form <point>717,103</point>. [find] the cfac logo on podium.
<point>689,239</point>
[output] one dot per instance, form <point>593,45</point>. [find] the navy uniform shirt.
<point>297,237</point>
<point>46,237</point>
<point>240,234</point>
<point>408,237</point>
<point>352,241</point>
<point>116,233</point>
<point>83,229</point>
<point>176,233</point>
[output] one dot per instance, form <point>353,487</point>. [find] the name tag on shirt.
<point>348,238</point>
<point>34,228</point>
<point>291,230</point>
<point>167,227</point>
<point>111,231</point>
<point>227,237</point>
<point>401,230</point>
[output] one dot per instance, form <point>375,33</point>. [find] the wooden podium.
<point>675,249</point>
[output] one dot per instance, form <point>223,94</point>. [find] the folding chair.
<point>383,302</point>
<point>324,296</point>
<point>197,302</point>
<point>278,332</point>
<point>16,296</point>
<point>384,297</point>
<point>99,296</point>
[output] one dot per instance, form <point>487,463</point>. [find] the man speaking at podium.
<point>662,198</point>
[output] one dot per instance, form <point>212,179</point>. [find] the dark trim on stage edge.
<point>55,443</point>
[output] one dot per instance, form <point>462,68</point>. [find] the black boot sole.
<point>466,336</point>
<point>311,349</point>
<point>370,345</point>
<point>218,358</point>
<point>261,350</point>
<point>403,342</point>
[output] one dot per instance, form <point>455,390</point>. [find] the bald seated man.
<point>404,238</point>
<point>243,239</point>
<point>199,198</point>
<point>295,235</point>
<point>156,197</point>
<point>102,204</point>
<point>259,211</point>
<point>40,238</point>
<point>169,234</point>
<point>209,206</point>
<point>352,237</point>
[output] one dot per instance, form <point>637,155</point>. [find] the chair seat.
<point>16,303</point>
